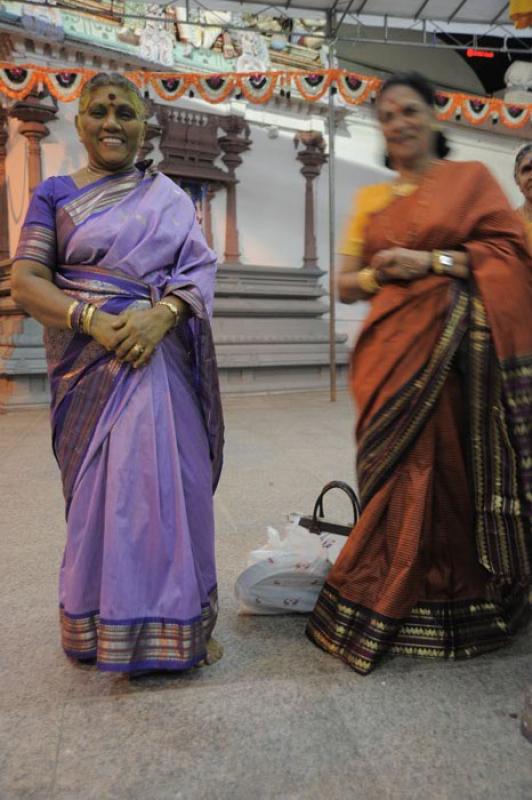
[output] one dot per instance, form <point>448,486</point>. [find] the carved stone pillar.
<point>152,132</point>
<point>235,142</point>
<point>4,228</point>
<point>207,221</point>
<point>34,112</point>
<point>313,158</point>
<point>23,379</point>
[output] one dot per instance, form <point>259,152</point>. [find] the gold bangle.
<point>72,307</point>
<point>83,317</point>
<point>367,280</point>
<point>87,321</point>
<point>173,309</point>
<point>86,317</point>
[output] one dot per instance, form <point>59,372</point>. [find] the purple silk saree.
<point>139,450</point>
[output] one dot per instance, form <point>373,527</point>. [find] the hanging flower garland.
<point>168,86</point>
<point>476,110</point>
<point>355,89</point>
<point>514,116</point>
<point>258,88</point>
<point>446,106</point>
<point>213,88</point>
<point>66,86</point>
<point>314,85</point>
<point>17,81</point>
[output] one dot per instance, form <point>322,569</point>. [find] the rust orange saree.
<point>440,562</point>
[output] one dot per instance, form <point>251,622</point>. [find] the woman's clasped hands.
<point>400,264</point>
<point>132,335</point>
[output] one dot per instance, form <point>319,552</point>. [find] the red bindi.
<point>112,96</point>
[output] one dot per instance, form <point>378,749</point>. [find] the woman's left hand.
<point>142,332</point>
<point>400,264</point>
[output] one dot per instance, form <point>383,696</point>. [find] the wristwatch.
<point>442,263</point>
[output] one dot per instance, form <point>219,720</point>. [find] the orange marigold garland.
<point>258,88</point>
<point>213,88</point>
<point>169,86</point>
<point>313,85</point>
<point>66,86</point>
<point>476,110</point>
<point>514,116</point>
<point>354,88</point>
<point>17,82</point>
<point>446,105</point>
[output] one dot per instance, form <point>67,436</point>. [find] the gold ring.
<point>137,349</point>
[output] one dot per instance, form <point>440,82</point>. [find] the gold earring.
<point>435,127</point>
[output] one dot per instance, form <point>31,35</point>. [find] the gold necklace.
<point>403,188</point>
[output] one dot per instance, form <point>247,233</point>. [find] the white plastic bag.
<point>287,574</point>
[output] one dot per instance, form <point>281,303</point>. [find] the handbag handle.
<point>318,508</point>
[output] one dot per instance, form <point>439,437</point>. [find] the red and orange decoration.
<point>17,81</point>
<point>521,13</point>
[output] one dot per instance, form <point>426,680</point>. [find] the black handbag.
<point>318,524</point>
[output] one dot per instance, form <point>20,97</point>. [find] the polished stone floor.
<point>276,719</point>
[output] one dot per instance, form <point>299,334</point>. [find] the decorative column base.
<point>23,375</point>
<point>270,332</point>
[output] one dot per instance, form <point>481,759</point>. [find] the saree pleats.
<point>439,562</point>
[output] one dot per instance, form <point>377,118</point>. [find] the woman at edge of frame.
<point>523,178</point>
<point>440,562</point>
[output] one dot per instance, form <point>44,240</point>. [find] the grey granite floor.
<point>276,719</point>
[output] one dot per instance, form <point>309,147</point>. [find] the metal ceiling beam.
<point>439,45</point>
<point>334,31</point>
<point>505,7</point>
<point>420,9</point>
<point>457,10</point>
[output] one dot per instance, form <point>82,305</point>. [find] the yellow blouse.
<point>528,228</point>
<point>368,200</point>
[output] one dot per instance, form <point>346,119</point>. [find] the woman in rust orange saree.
<point>440,562</point>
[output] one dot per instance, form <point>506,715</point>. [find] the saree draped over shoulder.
<point>440,562</point>
<point>139,450</point>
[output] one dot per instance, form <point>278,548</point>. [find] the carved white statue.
<point>518,79</point>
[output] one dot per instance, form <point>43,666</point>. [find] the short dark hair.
<point>112,79</point>
<point>521,153</point>
<point>424,88</point>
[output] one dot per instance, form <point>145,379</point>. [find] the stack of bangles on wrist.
<point>79,316</point>
<point>367,280</point>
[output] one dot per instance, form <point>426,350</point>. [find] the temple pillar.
<point>207,222</point>
<point>313,157</point>
<point>23,375</point>
<point>153,131</point>
<point>34,112</point>
<point>235,142</point>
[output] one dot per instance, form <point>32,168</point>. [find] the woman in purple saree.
<point>136,416</point>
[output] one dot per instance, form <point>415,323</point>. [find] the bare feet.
<point>215,652</point>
